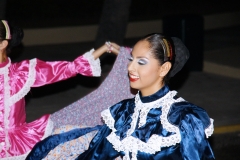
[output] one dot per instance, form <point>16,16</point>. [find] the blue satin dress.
<point>161,126</point>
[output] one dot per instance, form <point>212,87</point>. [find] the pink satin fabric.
<point>50,72</point>
<point>14,79</point>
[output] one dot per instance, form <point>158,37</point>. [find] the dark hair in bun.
<point>168,49</point>
<point>12,34</point>
<point>17,35</point>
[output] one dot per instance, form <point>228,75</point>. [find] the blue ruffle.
<point>42,148</point>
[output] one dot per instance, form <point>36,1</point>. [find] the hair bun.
<point>17,35</point>
<point>181,56</point>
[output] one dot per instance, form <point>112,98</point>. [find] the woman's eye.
<point>142,62</point>
<point>130,58</point>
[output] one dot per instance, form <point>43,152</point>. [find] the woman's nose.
<point>130,66</point>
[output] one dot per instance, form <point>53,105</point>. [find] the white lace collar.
<point>155,142</point>
<point>141,110</point>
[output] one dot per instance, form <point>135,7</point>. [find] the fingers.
<point>109,46</point>
<point>112,47</point>
<point>115,50</point>
<point>115,45</point>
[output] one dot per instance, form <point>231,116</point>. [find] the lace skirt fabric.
<point>112,90</point>
<point>71,149</point>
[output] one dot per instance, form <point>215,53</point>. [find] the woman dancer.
<point>155,124</point>
<point>16,136</point>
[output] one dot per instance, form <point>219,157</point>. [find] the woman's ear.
<point>165,68</point>
<point>3,44</point>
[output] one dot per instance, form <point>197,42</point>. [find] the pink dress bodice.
<point>17,137</point>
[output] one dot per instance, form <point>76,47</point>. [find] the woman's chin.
<point>133,86</point>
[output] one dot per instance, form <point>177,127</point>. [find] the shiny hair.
<point>162,49</point>
<point>15,34</point>
<point>168,49</point>
<point>2,31</point>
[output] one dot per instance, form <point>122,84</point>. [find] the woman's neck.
<point>3,57</point>
<point>150,91</point>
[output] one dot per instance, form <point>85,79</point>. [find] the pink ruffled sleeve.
<point>50,72</point>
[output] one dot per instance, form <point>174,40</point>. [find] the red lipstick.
<point>133,79</point>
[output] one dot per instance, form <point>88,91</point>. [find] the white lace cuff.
<point>94,63</point>
<point>108,119</point>
<point>209,130</point>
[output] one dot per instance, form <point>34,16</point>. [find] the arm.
<point>194,126</point>
<point>87,65</point>
<point>109,47</point>
<point>194,143</point>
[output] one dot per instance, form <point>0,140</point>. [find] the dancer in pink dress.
<point>17,137</point>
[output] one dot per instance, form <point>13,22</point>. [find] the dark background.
<point>60,13</point>
<point>55,13</point>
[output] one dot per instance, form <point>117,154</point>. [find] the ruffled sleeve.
<point>94,64</point>
<point>195,127</point>
<point>50,72</point>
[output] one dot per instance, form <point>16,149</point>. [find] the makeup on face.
<point>144,69</point>
<point>138,61</point>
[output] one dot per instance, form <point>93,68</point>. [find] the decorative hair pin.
<point>167,50</point>
<point>8,34</point>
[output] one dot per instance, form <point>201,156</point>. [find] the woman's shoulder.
<point>181,110</point>
<point>23,65</point>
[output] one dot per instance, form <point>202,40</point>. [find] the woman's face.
<point>144,70</point>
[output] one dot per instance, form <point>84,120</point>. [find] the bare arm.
<point>109,47</point>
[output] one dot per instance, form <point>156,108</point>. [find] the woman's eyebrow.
<point>139,57</point>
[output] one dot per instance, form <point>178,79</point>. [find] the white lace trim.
<point>108,119</point>
<point>5,72</point>
<point>20,157</point>
<point>154,144</point>
<point>27,86</point>
<point>9,101</point>
<point>209,130</point>
<point>48,129</point>
<point>94,63</point>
